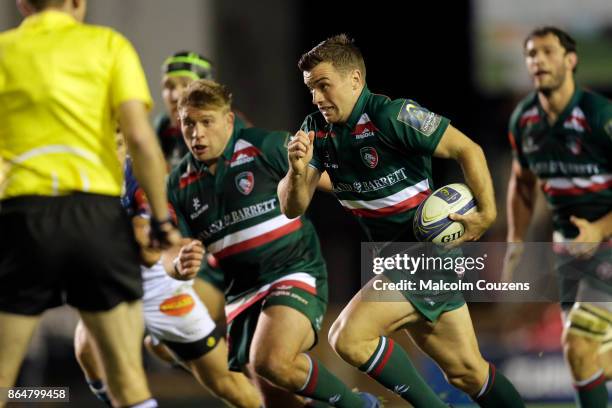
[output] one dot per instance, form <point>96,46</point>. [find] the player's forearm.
<point>150,171</point>
<point>148,256</point>
<point>293,194</point>
<point>520,204</point>
<point>478,178</point>
<point>148,160</point>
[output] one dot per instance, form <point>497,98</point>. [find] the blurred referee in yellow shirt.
<point>63,235</point>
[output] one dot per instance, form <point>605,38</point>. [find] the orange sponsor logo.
<point>177,305</point>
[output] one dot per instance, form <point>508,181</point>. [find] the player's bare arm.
<point>457,146</point>
<point>149,164</point>
<point>295,190</point>
<point>520,203</point>
<point>148,256</point>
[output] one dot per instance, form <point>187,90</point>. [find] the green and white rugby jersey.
<point>236,214</point>
<point>572,157</point>
<point>379,161</point>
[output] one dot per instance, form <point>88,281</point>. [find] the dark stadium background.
<point>417,49</point>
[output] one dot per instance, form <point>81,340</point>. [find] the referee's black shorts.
<point>77,249</point>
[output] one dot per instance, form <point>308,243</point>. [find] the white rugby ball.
<point>431,222</point>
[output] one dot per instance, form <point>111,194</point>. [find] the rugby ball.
<point>431,222</point>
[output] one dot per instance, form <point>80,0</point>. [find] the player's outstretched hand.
<point>189,260</point>
<point>475,224</point>
<point>589,237</point>
<point>299,151</point>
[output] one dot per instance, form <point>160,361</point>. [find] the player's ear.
<point>356,79</point>
<point>79,8</point>
<point>572,58</point>
<point>25,8</point>
<point>229,117</point>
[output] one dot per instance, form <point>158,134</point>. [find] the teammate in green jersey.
<point>178,71</point>
<point>561,136</point>
<point>378,155</point>
<point>224,194</point>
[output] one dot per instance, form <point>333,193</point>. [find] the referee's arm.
<point>148,160</point>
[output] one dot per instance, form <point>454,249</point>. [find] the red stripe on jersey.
<point>575,191</point>
<point>250,151</point>
<point>393,209</point>
<point>260,240</point>
<point>359,129</point>
<point>581,121</point>
<point>320,134</point>
<point>189,178</point>
<point>529,120</point>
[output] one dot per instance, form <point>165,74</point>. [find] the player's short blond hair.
<point>205,93</point>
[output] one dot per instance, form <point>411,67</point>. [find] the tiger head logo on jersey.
<point>369,155</point>
<point>245,182</point>
<point>574,144</point>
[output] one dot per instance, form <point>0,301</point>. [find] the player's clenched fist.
<point>189,260</point>
<point>300,151</point>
